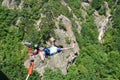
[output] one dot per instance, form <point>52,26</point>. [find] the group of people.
<point>50,50</point>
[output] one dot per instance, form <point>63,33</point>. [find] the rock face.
<point>37,24</point>
<point>74,16</point>
<point>102,22</point>
<point>61,60</point>
<point>69,55</point>
<point>11,4</point>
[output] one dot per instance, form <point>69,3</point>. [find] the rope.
<point>27,77</point>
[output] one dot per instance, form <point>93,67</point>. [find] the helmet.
<point>36,46</point>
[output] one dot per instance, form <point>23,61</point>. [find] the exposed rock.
<point>8,3</point>
<point>69,31</point>
<point>39,21</point>
<point>116,2</point>
<point>63,60</point>
<point>38,24</point>
<point>107,9</point>
<point>11,4</point>
<point>20,5</point>
<point>74,16</point>
<point>102,22</point>
<point>84,8</point>
<point>18,21</point>
<point>65,4</point>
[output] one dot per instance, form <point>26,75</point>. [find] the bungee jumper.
<point>50,50</point>
<point>43,52</point>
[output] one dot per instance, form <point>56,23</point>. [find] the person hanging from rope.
<point>51,49</point>
<point>43,52</point>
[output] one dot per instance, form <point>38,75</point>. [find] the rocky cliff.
<point>102,22</point>
<point>12,4</point>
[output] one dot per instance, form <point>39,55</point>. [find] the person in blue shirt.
<point>52,49</point>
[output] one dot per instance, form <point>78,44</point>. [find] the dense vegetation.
<point>95,62</point>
